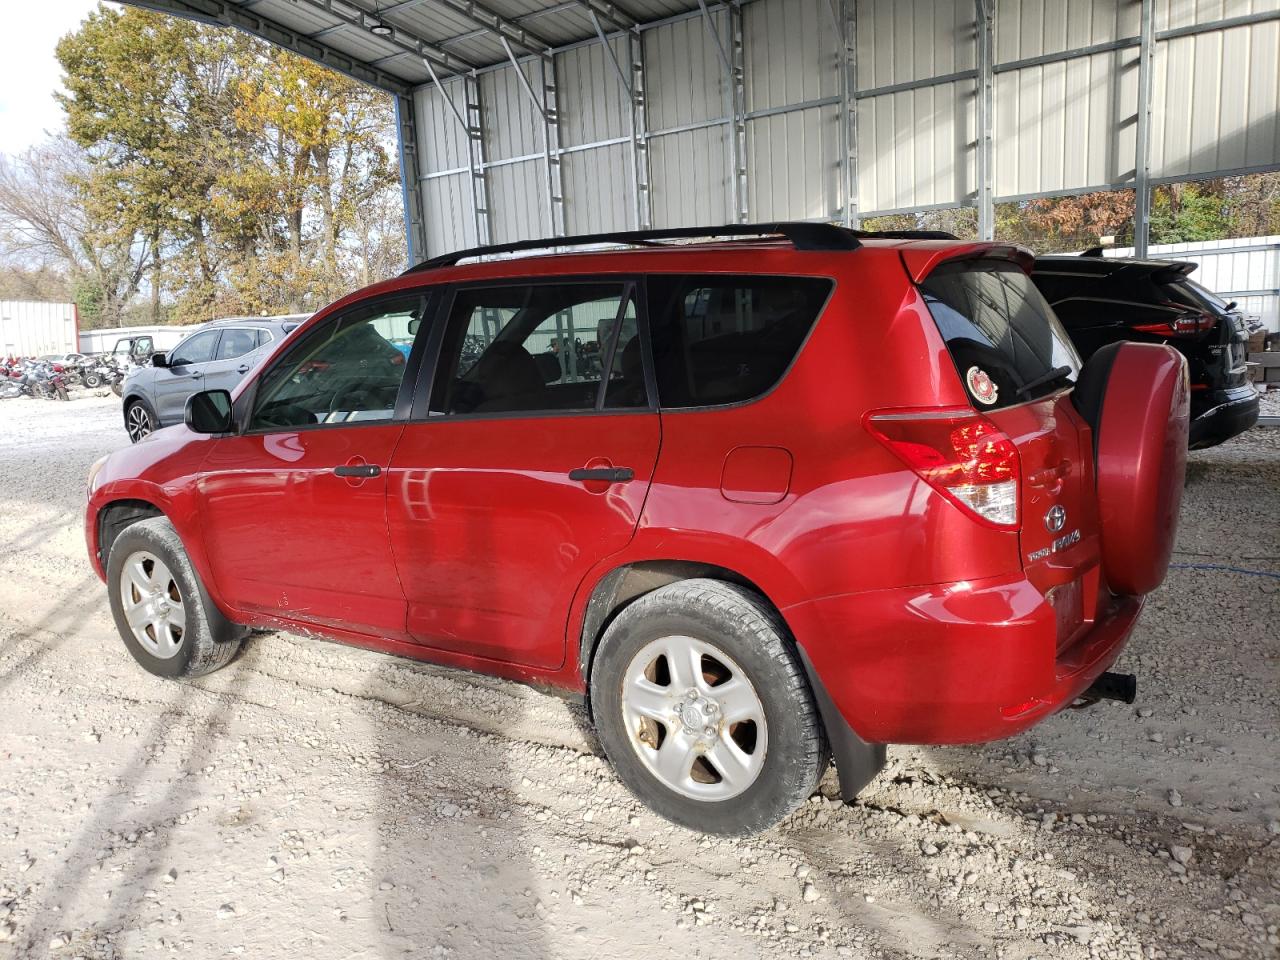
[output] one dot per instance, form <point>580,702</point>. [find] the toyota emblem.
<point>1055,519</point>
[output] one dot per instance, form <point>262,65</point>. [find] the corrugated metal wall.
<point>31,329</point>
<point>1065,113</point>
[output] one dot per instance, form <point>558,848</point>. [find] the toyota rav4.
<point>780,496</point>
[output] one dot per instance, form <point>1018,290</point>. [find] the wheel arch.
<point>115,515</point>
<point>136,397</point>
<point>857,761</point>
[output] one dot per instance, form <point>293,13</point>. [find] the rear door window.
<point>541,347</point>
<point>1004,338</point>
<point>725,339</point>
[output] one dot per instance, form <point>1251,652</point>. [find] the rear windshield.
<point>1007,345</point>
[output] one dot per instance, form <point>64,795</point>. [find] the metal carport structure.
<point>539,118</point>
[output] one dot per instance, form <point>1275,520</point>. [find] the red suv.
<point>764,502</point>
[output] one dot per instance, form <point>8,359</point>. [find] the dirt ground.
<point>318,801</point>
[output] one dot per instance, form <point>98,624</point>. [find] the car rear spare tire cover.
<point>1140,443</point>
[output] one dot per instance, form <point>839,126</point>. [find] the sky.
<point>29,72</point>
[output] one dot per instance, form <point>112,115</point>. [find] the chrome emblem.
<point>1055,519</point>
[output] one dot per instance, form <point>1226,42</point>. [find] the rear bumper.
<point>1223,414</point>
<point>953,663</point>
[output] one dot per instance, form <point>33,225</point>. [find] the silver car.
<point>218,355</point>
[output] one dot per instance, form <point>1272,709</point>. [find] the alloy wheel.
<point>694,718</point>
<point>153,605</point>
<point>138,422</point>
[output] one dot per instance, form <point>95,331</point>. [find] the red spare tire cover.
<point>1136,398</point>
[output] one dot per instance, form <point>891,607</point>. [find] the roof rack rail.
<point>905,234</point>
<point>803,236</point>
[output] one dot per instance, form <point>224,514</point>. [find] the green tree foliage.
<point>243,168</point>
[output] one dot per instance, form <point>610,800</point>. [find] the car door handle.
<point>361,470</point>
<point>196,374</point>
<point>243,368</point>
<point>607,474</point>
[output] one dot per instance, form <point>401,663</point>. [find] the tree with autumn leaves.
<point>234,176</point>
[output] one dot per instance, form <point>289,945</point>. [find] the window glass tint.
<point>347,370</point>
<point>236,343</point>
<point>720,340</point>
<point>533,347</point>
<point>995,320</point>
<point>197,349</point>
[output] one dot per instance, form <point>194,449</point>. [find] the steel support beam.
<point>223,14</point>
<point>632,82</point>
<point>470,117</point>
<point>611,13</point>
<point>1142,161</point>
<point>553,162</point>
<point>844,15</point>
<point>985,117</point>
<point>415,221</point>
<point>730,51</point>
<point>639,135</point>
<point>364,19</point>
<point>499,26</point>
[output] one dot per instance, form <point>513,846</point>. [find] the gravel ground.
<point>318,801</point>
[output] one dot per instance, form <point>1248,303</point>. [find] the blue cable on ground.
<point>1225,569</point>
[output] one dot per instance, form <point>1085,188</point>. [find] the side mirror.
<point>414,326</point>
<point>159,360</point>
<point>210,412</point>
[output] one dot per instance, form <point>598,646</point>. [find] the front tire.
<point>704,711</point>
<point>162,610</point>
<point>138,421</point>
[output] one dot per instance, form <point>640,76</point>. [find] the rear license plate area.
<point>1067,601</point>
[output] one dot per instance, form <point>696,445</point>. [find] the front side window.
<point>346,370</point>
<point>236,343</point>
<point>719,340</point>
<point>197,349</point>
<point>540,347</point>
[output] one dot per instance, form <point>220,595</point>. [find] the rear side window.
<point>1007,345</point>
<point>725,339</point>
<point>236,343</point>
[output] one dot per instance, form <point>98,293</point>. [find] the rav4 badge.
<point>981,385</point>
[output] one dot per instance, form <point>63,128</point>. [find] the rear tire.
<point>706,670</point>
<point>162,610</point>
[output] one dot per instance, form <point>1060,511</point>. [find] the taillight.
<point>961,454</point>
<point>1183,325</point>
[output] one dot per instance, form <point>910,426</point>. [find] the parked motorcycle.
<point>48,380</point>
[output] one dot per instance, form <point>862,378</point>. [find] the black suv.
<point>1101,301</point>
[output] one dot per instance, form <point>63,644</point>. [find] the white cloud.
<point>29,72</point>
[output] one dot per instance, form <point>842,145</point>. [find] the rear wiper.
<point>1057,373</point>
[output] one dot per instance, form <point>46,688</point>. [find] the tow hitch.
<point>1109,686</point>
